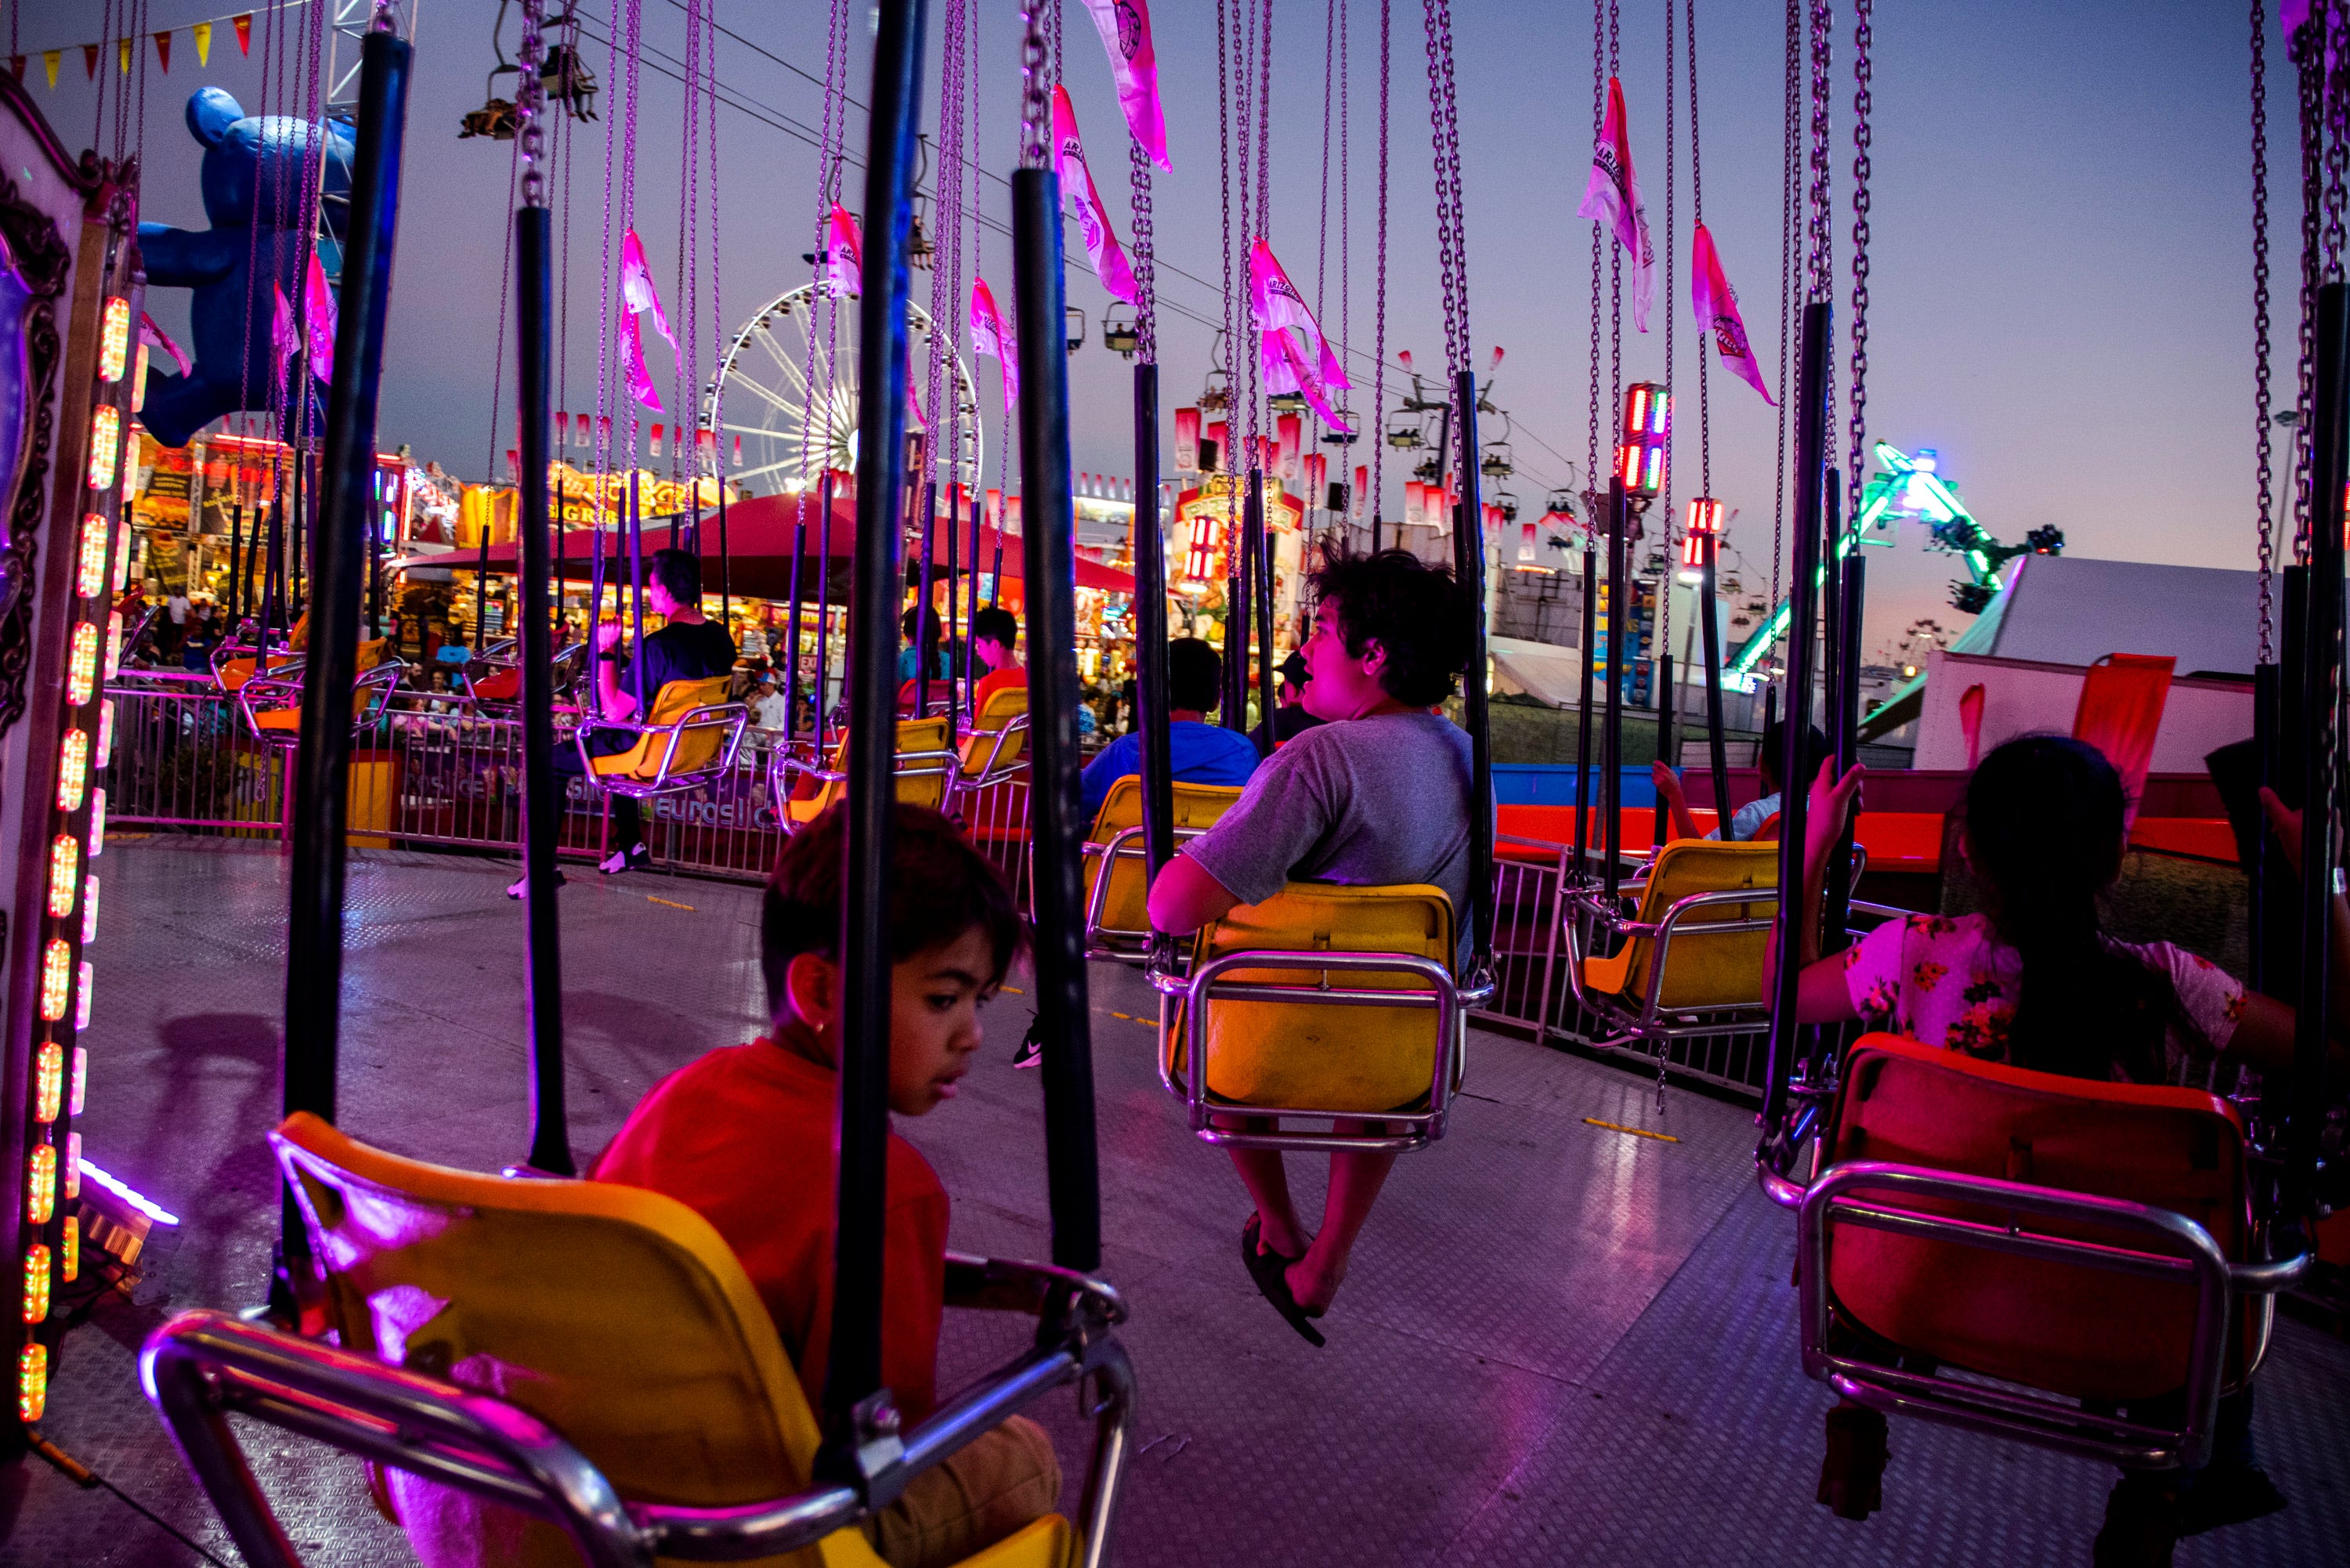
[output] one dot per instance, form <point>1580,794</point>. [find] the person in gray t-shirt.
<point>1377,795</point>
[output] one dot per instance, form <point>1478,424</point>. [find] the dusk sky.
<point>2061,292</point>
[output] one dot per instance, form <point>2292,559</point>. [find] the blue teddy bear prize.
<point>254,194</point>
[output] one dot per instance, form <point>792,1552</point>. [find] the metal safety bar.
<point>731,716</point>
<point>2180,1250</point>
<point>1128,843</point>
<point>784,768</point>
<point>204,1366</point>
<point>1205,983</point>
<point>274,694</point>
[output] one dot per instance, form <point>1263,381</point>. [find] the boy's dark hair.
<point>997,622</point>
<point>1774,736</point>
<point>1415,611</point>
<point>678,573</point>
<point>1195,676</point>
<point>913,619</point>
<point>940,887</point>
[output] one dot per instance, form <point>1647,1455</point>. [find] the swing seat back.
<point>231,674</point>
<point>2081,1332</point>
<point>1312,1054</point>
<point>675,744</point>
<point>1115,850</point>
<point>616,1316</point>
<point>281,721</point>
<point>998,734</point>
<point>1701,969</point>
<point>926,771</point>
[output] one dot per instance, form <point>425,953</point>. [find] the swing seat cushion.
<point>615,1314</point>
<point>695,749</point>
<point>499,686</point>
<point>1321,1056</point>
<point>1701,971</point>
<point>982,751</point>
<point>2084,1332</point>
<point>1124,905</point>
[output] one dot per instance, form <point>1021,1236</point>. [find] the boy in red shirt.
<point>745,1135</point>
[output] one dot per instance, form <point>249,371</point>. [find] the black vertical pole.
<point>597,577</point>
<point>314,952</point>
<point>273,583</point>
<point>637,599</point>
<point>2321,676</point>
<point>1717,756</point>
<point>1469,570</point>
<point>1662,667</point>
<point>824,603</point>
<point>1049,562</point>
<point>1150,628</point>
<point>1240,609</point>
<point>482,581</point>
<point>1259,540</point>
<point>958,669</point>
<point>1611,735</point>
<point>862,1031</point>
<point>375,550</point>
<point>235,566</point>
<point>2279,963</point>
<point>977,501</point>
<point>925,618</point>
<point>1582,708</point>
<point>725,563</point>
<point>1802,601</point>
<point>1375,530</point>
<point>550,1139</point>
<point>791,636</point>
<point>1846,719</point>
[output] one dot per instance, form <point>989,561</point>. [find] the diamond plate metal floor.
<point>1559,1344</point>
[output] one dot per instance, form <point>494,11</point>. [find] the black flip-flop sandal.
<point>1270,1271</point>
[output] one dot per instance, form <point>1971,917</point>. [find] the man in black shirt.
<point>689,647</point>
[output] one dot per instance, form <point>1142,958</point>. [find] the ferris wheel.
<point>791,427</point>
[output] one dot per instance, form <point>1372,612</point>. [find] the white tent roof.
<point>2068,609</point>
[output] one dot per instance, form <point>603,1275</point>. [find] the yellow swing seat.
<point>550,1372</point>
<point>996,743</point>
<point>926,773</point>
<point>271,704</point>
<point>688,741</point>
<point>1322,1004</point>
<point>1118,879</point>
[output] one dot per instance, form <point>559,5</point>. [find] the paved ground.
<point>1559,1344</point>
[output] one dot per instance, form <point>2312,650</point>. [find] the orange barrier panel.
<point>2203,837</point>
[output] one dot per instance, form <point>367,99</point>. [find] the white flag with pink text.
<point>1085,204</point>
<point>1613,197</point>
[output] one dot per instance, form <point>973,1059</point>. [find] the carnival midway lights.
<point>348,916</point>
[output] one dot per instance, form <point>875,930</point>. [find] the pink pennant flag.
<point>155,337</point>
<point>283,333</point>
<point>991,335</point>
<point>1613,197</point>
<point>1361,497</point>
<point>1279,307</point>
<point>844,254</point>
<point>1717,310</point>
<point>318,320</point>
<point>636,290</point>
<point>1125,28</point>
<point>1289,438</point>
<point>1287,369</point>
<point>1085,204</point>
<point>562,427</point>
<point>657,439</point>
<point>640,381</point>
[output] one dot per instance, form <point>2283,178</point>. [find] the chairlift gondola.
<point>1121,334</point>
<point>1406,431</point>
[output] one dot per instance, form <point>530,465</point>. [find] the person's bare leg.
<point>1267,1180</point>
<point>1355,1177</point>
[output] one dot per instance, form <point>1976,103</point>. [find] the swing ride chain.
<point>1790,185</point>
<point>1598,111</point>
<point>2260,400</point>
<point>1380,316</point>
<point>2336,87</point>
<point>1146,257</point>
<point>1861,40</point>
<point>1451,239</point>
<point>2307,50</point>
<point>1697,216</point>
<point>1034,59</point>
<point>1821,259</point>
<point>530,99</point>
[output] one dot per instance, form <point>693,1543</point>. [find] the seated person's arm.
<point>1822,995</point>
<point>1669,790</point>
<point>1185,898</point>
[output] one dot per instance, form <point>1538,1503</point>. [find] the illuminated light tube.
<point>114,340</point>
<point>57,979</point>
<point>40,1184</point>
<point>70,1248</point>
<point>106,732</point>
<point>37,1282</point>
<point>84,983</point>
<point>81,665</point>
<point>80,1080</point>
<point>48,1082</point>
<point>64,874</point>
<point>73,769</point>
<point>122,555</point>
<point>32,1381</point>
<point>89,910</point>
<point>97,821</point>
<point>96,534</point>
<point>137,1200</point>
<point>113,645</point>
<point>1656,481</point>
<point>73,1165</point>
<point>105,444</point>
